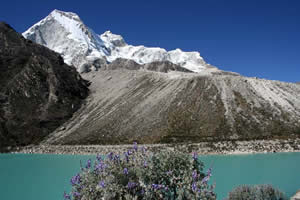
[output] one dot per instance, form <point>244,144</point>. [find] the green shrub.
<point>137,174</point>
<point>257,192</point>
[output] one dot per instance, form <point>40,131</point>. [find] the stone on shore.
<point>296,196</point>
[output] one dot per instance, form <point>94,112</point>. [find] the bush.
<point>137,174</point>
<point>257,192</point>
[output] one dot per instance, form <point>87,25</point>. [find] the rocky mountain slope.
<point>65,33</point>
<point>130,104</point>
<point>38,91</point>
<point>152,96</point>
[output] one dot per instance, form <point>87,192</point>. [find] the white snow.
<point>112,39</point>
<point>81,44</point>
<point>72,24</point>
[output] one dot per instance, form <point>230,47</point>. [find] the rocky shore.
<point>204,148</point>
<point>296,196</point>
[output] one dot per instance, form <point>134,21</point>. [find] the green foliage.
<point>137,174</point>
<point>257,192</point>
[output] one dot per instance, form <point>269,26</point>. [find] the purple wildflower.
<point>102,184</point>
<point>194,187</point>
<point>129,152</point>
<point>195,175</point>
<point>75,179</point>
<point>125,171</point>
<point>207,177</point>
<point>76,194</point>
<point>110,156</point>
<point>67,196</point>
<point>209,172</point>
<point>195,156</point>
<point>205,180</point>
<point>135,147</point>
<point>131,185</point>
<point>99,158</point>
<point>88,164</point>
<point>144,150</point>
<point>116,158</point>
<point>126,156</point>
<point>157,186</point>
<point>145,163</point>
<point>100,166</point>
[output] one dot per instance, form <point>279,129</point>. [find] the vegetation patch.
<point>139,174</point>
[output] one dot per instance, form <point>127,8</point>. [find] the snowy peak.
<point>77,29</point>
<point>110,38</point>
<point>70,15</point>
<point>68,20</point>
<point>65,33</point>
<point>72,23</point>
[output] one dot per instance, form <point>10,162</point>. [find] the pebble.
<point>296,196</point>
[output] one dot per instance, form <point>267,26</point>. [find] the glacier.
<point>65,33</point>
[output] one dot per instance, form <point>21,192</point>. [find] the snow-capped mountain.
<point>133,98</point>
<point>65,33</point>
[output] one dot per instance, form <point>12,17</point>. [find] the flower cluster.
<point>75,180</point>
<point>139,174</point>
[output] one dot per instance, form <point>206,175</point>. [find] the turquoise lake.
<point>46,177</point>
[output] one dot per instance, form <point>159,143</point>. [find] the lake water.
<point>46,177</point>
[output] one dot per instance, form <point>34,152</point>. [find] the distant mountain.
<point>38,91</point>
<point>65,33</point>
<point>151,96</point>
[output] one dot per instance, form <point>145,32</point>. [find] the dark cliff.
<point>38,91</point>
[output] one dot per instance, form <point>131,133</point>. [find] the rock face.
<point>296,196</point>
<point>38,91</point>
<point>127,104</point>
<point>158,66</point>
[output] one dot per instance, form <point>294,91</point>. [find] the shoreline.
<point>203,148</point>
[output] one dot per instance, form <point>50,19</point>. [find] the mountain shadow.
<point>38,91</point>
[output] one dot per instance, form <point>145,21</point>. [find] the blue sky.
<point>254,38</point>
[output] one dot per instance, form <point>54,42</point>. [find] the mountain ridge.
<point>66,34</point>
